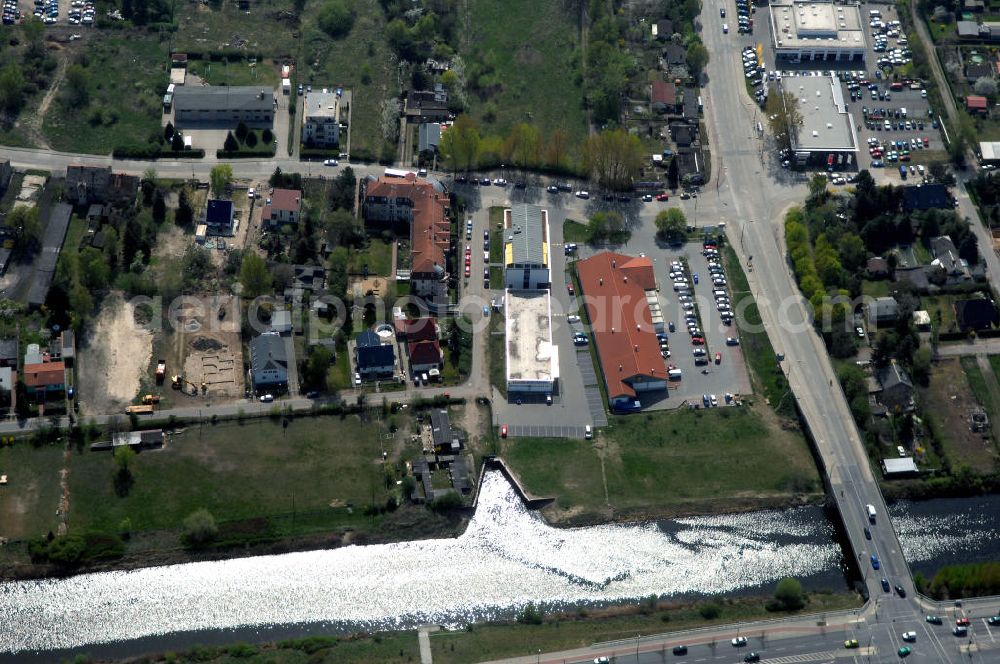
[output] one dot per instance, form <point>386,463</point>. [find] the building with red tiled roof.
<point>45,377</point>
<point>424,355</point>
<point>664,96</point>
<point>976,104</point>
<point>416,329</point>
<point>618,291</point>
<point>283,207</point>
<point>408,199</point>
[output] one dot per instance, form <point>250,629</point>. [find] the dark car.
<point>868,533</point>
<point>680,650</point>
<point>752,657</point>
<point>885,584</point>
<point>875,563</point>
<point>900,590</point>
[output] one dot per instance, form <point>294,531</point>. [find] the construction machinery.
<point>161,371</point>
<point>151,399</point>
<point>178,382</point>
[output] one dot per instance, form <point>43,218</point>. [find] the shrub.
<point>710,610</point>
<point>200,528</point>
<point>336,18</point>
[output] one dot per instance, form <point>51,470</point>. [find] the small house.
<point>268,363</point>
<point>977,105</point>
<point>45,378</point>
<point>374,359</point>
<point>219,215</point>
<point>424,356</point>
<point>281,322</point>
<point>883,311</point>
<point>283,207</point>
<point>663,30</point>
<point>663,96</point>
<point>877,268</point>
<point>897,390</point>
<point>8,352</point>
<point>947,261</point>
<point>977,70</point>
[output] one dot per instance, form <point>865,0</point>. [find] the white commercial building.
<point>989,152</point>
<point>817,31</point>
<point>526,248</point>
<point>321,119</point>
<point>826,137</point>
<point>532,360</point>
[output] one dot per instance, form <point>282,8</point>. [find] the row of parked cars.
<point>755,72</point>
<point>11,14</point>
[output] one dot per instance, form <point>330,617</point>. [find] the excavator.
<point>179,382</point>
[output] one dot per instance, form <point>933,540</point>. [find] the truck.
<point>139,410</point>
<point>161,371</point>
<point>151,399</point>
<point>871,513</point>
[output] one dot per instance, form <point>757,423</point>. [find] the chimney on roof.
<point>637,348</point>
<point>612,330</point>
<point>600,281</point>
<point>619,367</point>
<point>614,263</point>
<point>626,279</point>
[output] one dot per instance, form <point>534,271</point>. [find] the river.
<point>506,558</point>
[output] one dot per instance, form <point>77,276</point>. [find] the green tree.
<point>460,144</point>
<point>523,145</point>
<point>697,57</point>
<point>783,118</point>
<point>555,151</point>
<point>336,17</point>
<point>196,266</point>
<point>608,226</point>
<point>200,528</point>
<point>159,207</point>
<point>316,366</point>
<point>77,86</point>
<point>230,144</point>
<point>185,213</point>
<point>95,272</point>
<point>921,368</point>
<point>12,88</point>
<point>251,140</point>
<point>266,136</point>
<point>613,158</point>
<point>254,275</point>
<point>671,225</point>
<point>220,178</point>
<point>241,131</point>
<point>788,596</point>
<point>168,131</point>
<point>177,142</point>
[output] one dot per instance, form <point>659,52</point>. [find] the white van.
<point>874,13</point>
<point>674,374</point>
<point>588,432</point>
<point>871,513</point>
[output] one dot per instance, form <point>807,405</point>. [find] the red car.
<point>962,622</point>
<point>468,271</point>
<point>569,287</point>
<point>698,341</point>
<point>718,358</point>
<point>503,430</point>
<point>663,197</point>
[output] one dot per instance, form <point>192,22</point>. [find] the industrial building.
<point>817,31</point>
<point>826,137</point>
<point>526,248</point>
<point>321,119</point>
<point>617,290</point>
<point>223,106</point>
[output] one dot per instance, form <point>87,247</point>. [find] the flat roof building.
<point>811,31</point>
<point>990,151</point>
<point>224,106</point>
<point>827,128</point>
<point>526,248</point>
<point>532,361</point>
<point>321,119</point>
<point>615,289</point>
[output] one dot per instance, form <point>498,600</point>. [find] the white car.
<point>329,162</point>
<point>739,641</point>
<point>357,379</point>
<point>572,319</point>
<point>583,194</point>
<point>500,182</point>
<point>910,636</point>
<point>267,398</point>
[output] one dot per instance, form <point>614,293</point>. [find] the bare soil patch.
<point>115,355</point>
<point>951,400</point>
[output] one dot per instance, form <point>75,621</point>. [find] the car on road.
<point>680,650</point>
<point>588,432</point>
<point>573,319</point>
<point>962,622</point>
<point>993,620</point>
<point>885,584</point>
<point>875,563</point>
<point>647,198</point>
<point>500,182</point>
<point>900,590</point>
<point>267,398</point>
<point>601,660</point>
<point>329,162</point>
<point>695,277</point>
<point>904,651</point>
<point>960,630</point>
<point>868,533</point>
<point>909,637</point>
<point>685,196</point>
<point>933,620</point>
<point>552,189</point>
<point>583,194</point>
<point>739,641</point>
<point>663,197</point>
<point>580,339</point>
<point>752,657</point>
<point>503,430</point>
<point>851,643</point>
<point>718,358</point>
<point>860,332</point>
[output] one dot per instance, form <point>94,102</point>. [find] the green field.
<point>127,76</point>
<point>872,288</point>
<point>236,72</point>
<point>574,231</point>
<point>28,502</point>
<point>941,310</point>
<point>531,48</point>
<point>377,255</point>
<point>666,463</point>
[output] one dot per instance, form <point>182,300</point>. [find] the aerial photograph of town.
<point>521,331</point>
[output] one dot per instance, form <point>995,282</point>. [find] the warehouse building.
<point>817,31</point>
<point>526,248</point>
<point>223,106</point>
<point>532,360</point>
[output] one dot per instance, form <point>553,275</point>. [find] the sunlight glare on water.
<point>507,557</point>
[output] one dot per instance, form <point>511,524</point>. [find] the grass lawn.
<point>74,235</point>
<point>377,255</point>
<point>127,77</point>
<point>360,61</point>
<point>497,353</point>
<point>922,253</point>
<point>498,641</point>
<point>339,376</point>
<point>496,245</point>
<point>948,401</point>
<point>389,648</point>
<point>531,48</point>
<point>574,231</point>
<point>767,377</point>
<point>203,29</point>
<point>496,277</point>
<point>667,463</point>
<point>875,288</point>
<point>237,472</point>
<point>941,311</point>
<point>236,72</point>
<point>29,501</point>
<point>941,31</point>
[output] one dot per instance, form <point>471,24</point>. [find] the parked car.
<point>739,641</point>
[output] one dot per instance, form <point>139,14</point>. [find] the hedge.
<point>319,153</point>
<point>243,154</point>
<point>151,151</point>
